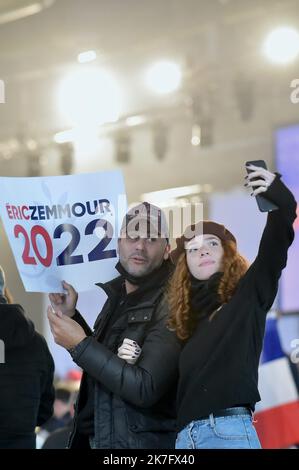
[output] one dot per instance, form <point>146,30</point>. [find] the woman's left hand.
<point>129,351</point>
<point>263,181</point>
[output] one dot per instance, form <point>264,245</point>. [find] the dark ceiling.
<point>216,41</point>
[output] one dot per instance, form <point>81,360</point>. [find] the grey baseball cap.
<point>145,221</point>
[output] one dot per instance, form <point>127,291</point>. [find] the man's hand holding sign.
<point>66,332</point>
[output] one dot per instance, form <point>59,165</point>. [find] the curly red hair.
<point>181,318</point>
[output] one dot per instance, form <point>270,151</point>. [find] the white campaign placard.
<point>63,228</point>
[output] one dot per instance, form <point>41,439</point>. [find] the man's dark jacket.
<point>134,404</point>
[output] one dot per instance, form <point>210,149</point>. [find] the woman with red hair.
<point>218,306</point>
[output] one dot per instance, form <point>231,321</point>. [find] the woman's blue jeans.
<point>224,432</point>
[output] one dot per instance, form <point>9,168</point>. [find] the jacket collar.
<point>113,288</point>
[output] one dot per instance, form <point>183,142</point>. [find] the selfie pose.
<point>218,306</point>
<point>127,397</point>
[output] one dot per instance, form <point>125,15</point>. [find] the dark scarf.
<point>204,295</point>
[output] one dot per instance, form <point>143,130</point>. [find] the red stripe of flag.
<point>278,427</point>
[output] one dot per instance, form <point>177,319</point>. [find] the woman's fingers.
<point>263,179</point>
<point>257,183</point>
<point>127,350</point>
<point>126,356</point>
<point>259,190</point>
<point>255,167</point>
<point>258,173</point>
<point>129,341</point>
<point>129,346</point>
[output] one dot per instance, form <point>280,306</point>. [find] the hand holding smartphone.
<point>264,204</point>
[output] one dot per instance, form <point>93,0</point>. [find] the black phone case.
<point>263,203</point>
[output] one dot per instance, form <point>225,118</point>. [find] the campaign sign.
<point>63,228</point>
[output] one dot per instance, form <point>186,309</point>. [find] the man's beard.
<point>136,278</point>
<point>137,270</point>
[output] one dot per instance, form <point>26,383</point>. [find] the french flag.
<point>276,417</point>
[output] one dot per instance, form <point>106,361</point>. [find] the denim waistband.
<point>235,411</point>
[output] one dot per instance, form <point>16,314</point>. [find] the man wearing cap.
<point>125,404</point>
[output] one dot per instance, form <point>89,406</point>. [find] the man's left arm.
<point>141,384</point>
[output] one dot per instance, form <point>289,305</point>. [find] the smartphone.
<point>264,204</point>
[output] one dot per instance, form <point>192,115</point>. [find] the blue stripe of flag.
<point>272,348</point>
